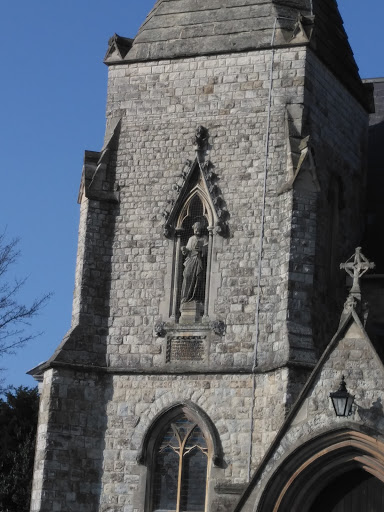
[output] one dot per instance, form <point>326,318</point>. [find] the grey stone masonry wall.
<point>337,125</point>
<point>85,343</point>
<point>374,216</point>
<point>226,399</point>
<point>92,427</point>
<point>375,179</point>
<point>70,442</point>
<point>378,88</point>
<point>162,103</point>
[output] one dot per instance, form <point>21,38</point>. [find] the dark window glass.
<point>194,480</point>
<point>165,481</point>
<point>196,438</point>
<point>180,485</point>
<point>183,426</point>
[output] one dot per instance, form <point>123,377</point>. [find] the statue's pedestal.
<point>191,312</point>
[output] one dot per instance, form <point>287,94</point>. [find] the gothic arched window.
<point>179,467</point>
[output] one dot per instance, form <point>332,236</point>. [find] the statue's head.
<point>197,228</point>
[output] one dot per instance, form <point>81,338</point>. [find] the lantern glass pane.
<point>349,405</point>
<point>339,405</point>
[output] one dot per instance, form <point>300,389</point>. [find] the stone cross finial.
<point>356,266</point>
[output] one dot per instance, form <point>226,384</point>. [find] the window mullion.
<point>182,446</point>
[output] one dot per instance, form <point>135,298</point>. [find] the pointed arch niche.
<point>179,449</point>
<point>196,218</point>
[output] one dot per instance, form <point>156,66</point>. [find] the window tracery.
<point>180,468</point>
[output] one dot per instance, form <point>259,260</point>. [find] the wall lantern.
<point>342,401</point>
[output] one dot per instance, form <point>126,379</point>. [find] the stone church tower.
<point>213,221</point>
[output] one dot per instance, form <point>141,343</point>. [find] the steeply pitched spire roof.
<point>182,28</point>
<point>178,28</point>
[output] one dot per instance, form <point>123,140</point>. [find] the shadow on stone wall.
<point>372,415</point>
<point>374,241</point>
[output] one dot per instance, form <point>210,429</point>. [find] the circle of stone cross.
<point>356,266</point>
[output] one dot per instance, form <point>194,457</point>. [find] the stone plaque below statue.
<point>185,348</point>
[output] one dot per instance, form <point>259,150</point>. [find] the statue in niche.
<point>193,286</point>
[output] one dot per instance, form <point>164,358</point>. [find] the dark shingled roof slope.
<point>182,28</point>
<point>176,28</point>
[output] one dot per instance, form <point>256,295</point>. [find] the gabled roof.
<point>182,28</point>
<point>348,319</point>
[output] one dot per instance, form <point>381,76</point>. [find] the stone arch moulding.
<point>166,416</point>
<point>198,198</point>
<point>300,478</point>
<point>197,177</point>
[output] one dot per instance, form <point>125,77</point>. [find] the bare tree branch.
<point>15,317</point>
<point>8,253</point>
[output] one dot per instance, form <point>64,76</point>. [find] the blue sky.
<point>53,108</point>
